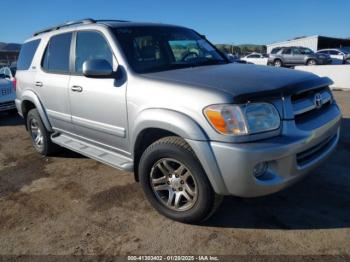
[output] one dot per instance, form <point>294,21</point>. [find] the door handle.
<point>39,84</point>
<point>77,89</point>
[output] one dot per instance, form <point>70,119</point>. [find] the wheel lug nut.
<point>182,182</point>
<point>180,188</point>
<point>170,175</point>
<point>168,183</point>
<point>176,175</point>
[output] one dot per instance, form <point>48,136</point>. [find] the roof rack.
<point>82,21</point>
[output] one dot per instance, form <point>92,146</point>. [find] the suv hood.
<point>243,81</point>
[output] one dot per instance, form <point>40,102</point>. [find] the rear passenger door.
<point>52,81</point>
<point>297,56</point>
<point>98,106</point>
<point>287,56</point>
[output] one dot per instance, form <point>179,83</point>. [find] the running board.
<point>102,155</point>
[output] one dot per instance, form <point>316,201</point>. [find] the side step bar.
<point>102,155</point>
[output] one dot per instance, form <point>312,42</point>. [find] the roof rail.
<point>82,21</point>
<point>111,20</point>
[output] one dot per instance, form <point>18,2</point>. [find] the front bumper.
<point>289,157</point>
<point>5,106</point>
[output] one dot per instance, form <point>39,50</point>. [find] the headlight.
<point>245,119</point>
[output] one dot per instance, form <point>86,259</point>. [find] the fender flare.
<point>168,120</point>
<point>187,128</point>
<point>29,95</point>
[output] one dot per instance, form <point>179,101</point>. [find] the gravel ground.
<point>68,204</point>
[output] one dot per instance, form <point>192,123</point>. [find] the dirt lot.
<point>68,204</point>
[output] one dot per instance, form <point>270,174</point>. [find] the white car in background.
<point>339,56</point>
<point>7,93</point>
<point>256,58</point>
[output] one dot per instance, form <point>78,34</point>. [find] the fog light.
<point>260,169</point>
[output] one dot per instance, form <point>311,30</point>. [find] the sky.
<point>222,21</point>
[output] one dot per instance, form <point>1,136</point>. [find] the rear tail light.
<point>14,84</point>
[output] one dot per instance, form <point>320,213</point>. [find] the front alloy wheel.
<point>174,184</point>
<point>174,181</point>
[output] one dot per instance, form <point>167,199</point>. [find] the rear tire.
<point>175,183</point>
<point>311,62</point>
<point>40,137</point>
<point>277,63</point>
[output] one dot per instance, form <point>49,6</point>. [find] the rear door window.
<point>287,51</point>
<point>56,57</point>
<point>26,55</point>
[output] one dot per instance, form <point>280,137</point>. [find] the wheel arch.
<point>30,100</point>
<point>154,124</point>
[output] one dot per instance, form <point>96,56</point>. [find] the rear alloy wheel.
<point>39,135</point>
<point>311,62</point>
<point>277,63</point>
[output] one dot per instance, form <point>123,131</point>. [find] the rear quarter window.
<point>26,54</point>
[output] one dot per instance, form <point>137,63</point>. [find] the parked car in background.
<point>9,73</point>
<point>7,93</point>
<point>235,59</point>
<point>190,125</point>
<point>339,56</point>
<point>256,58</point>
<point>291,56</point>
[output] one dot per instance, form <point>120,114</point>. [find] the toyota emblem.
<point>318,100</point>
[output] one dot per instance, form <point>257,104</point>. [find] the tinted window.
<point>333,52</point>
<point>287,51</point>
<point>26,55</point>
<point>56,57</point>
<point>91,45</point>
<point>275,50</point>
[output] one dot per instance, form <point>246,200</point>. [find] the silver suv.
<point>294,55</point>
<point>162,102</point>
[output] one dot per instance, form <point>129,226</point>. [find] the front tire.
<point>174,181</point>
<point>40,137</point>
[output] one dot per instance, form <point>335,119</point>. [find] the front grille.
<point>307,156</point>
<point>309,103</point>
<point>6,91</point>
<point>7,106</point>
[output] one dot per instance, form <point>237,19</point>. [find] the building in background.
<point>315,43</point>
<point>8,57</point>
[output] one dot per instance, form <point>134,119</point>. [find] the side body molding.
<point>29,95</point>
<point>186,128</point>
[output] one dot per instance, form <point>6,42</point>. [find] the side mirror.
<point>97,68</point>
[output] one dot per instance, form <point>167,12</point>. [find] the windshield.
<point>158,48</point>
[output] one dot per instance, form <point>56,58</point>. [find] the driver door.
<point>98,106</point>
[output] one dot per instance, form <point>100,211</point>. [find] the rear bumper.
<point>289,157</point>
